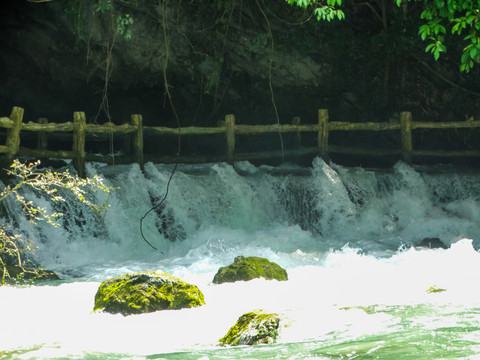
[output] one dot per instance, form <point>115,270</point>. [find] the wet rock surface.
<point>144,292</point>
<point>253,328</point>
<point>248,268</point>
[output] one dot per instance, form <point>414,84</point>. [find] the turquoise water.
<point>357,289</point>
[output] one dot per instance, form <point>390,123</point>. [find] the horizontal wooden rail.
<point>446,125</point>
<point>6,123</point>
<point>49,127</point>
<point>370,126</point>
<point>111,128</point>
<point>274,128</point>
<point>189,130</point>
<point>78,129</point>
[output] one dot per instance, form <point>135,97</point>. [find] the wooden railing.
<point>79,128</point>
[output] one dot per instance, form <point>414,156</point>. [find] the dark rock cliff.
<point>58,56</point>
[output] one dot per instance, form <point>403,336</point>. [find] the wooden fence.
<point>79,129</point>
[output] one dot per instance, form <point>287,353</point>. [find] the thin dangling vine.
<point>169,96</point>
<point>272,49</point>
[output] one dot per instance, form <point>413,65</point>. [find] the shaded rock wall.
<point>57,55</point>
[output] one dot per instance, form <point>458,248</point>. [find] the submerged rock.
<point>253,328</point>
<point>144,292</point>
<point>431,243</point>
<point>248,268</point>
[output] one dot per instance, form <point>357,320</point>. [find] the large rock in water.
<point>253,328</point>
<point>144,292</point>
<point>248,268</point>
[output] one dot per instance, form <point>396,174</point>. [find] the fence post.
<point>323,133</point>
<point>42,139</point>
<point>13,134</point>
<point>137,139</point>
<point>406,132</point>
<point>297,136</point>
<point>79,124</point>
<point>230,133</point>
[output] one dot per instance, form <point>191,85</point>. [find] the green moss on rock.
<point>253,328</point>
<point>435,289</point>
<point>248,268</point>
<point>144,292</point>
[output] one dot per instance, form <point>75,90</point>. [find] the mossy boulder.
<point>253,328</point>
<point>144,292</point>
<point>248,268</point>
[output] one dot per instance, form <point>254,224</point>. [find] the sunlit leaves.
<point>436,47</point>
<point>455,17</point>
<point>123,22</point>
<point>328,13</point>
<point>48,183</point>
<point>301,3</point>
<point>123,26</point>
<point>323,10</point>
<point>442,18</point>
<point>471,53</point>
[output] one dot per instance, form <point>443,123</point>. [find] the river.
<point>358,287</point>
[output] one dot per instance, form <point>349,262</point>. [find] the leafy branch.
<point>458,17</point>
<point>13,252</point>
<point>323,10</point>
<point>49,182</point>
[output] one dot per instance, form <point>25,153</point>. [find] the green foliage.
<point>11,253</point>
<point>14,252</point>
<point>441,18</point>
<point>457,17</point>
<point>123,24</point>
<point>324,10</point>
<point>76,9</point>
<point>49,182</point>
<point>104,6</point>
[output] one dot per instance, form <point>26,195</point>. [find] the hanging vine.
<point>270,85</point>
<point>177,119</point>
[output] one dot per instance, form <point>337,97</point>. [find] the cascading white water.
<point>328,207</point>
<point>345,236</point>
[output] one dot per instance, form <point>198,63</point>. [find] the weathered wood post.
<point>13,134</point>
<point>79,125</point>
<point>42,139</point>
<point>323,133</point>
<point>230,133</point>
<point>406,132</point>
<point>137,139</point>
<point>297,139</point>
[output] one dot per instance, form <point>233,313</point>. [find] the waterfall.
<point>213,209</point>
